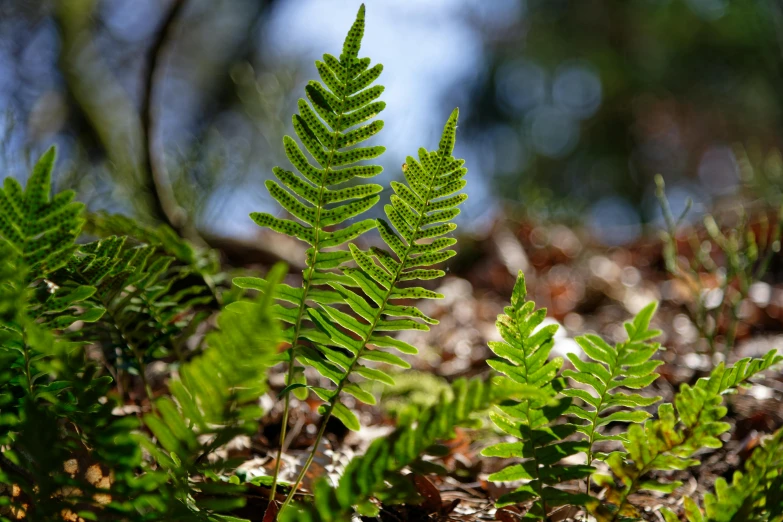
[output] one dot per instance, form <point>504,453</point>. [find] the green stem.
<point>380,310</point>
<point>27,365</point>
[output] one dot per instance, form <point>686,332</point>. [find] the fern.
<point>214,400</point>
<point>40,229</point>
<point>376,474</point>
<point>346,98</point>
<point>692,422</point>
<point>627,365</point>
<point>753,496</point>
<point>416,210</point>
<point>522,357</point>
<point>141,307</point>
<point>57,422</point>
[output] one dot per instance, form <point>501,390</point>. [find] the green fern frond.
<point>691,423</point>
<point>41,229</point>
<point>376,474</point>
<point>201,261</point>
<point>343,100</point>
<point>626,365</point>
<point>214,400</point>
<point>523,359</point>
<point>753,496</point>
<point>342,339</point>
<point>140,306</point>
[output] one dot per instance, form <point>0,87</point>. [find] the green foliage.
<point>204,262</point>
<point>522,358</point>
<point>79,323</point>
<point>343,100</point>
<point>694,421</point>
<point>214,400</point>
<point>64,450</point>
<point>626,365</point>
<point>376,474</point>
<point>40,229</point>
<point>53,417</point>
<point>379,278</point>
<point>538,411</point>
<point>753,496</point>
<point>148,301</point>
<point>420,212</point>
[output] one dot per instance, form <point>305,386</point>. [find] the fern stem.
<point>540,487</point>
<point>28,377</point>
<point>307,283</point>
<point>380,310</point>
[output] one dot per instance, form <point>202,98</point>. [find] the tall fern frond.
<point>376,474</point>
<point>626,365</point>
<point>523,358</point>
<point>692,422</point>
<point>39,228</point>
<point>344,99</point>
<point>421,212</point>
<point>214,400</point>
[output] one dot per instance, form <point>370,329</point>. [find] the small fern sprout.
<point>345,98</point>
<point>533,416</point>
<point>626,365</point>
<point>692,422</point>
<point>753,496</point>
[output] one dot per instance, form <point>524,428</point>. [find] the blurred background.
<point>174,110</point>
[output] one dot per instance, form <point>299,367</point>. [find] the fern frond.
<point>523,359</point>
<point>342,339</point>
<point>39,228</point>
<point>753,496</point>
<point>626,365</point>
<point>201,261</point>
<point>376,474</point>
<point>343,100</point>
<point>140,306</point>
<point>214,400</point>
<point>691,423</point>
